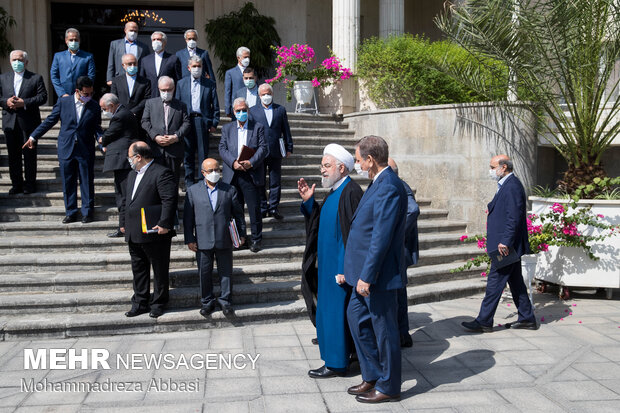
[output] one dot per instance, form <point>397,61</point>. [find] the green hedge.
<point>401,71</point>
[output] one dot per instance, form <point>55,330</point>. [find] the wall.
<point>444,152</point>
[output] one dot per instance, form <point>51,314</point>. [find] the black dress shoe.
<point>69,218</point>
<point>227,310</point>
<point>255,247</point>
<point>15,190</point>
<point>361,388</point>
<point>30,188</point>
<point>136,311</point>
<point>315,341</point>
<point>87,218</point>
<point>405,340</point>
<point>476,326</point>
<point>527,325</point>
<point>156,312</point>
<point>207,309</point>
<point>266,214</point>
<point>324,373</point>
<point>375,396</point>
<point>116,234</point>
<point>276,215</point>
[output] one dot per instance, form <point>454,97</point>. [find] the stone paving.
<point>571,364</point>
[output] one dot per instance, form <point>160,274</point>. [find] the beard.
<point>330,180</point>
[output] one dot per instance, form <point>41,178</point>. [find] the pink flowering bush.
<point>298,63</point>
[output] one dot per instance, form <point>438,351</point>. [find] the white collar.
<point>19,74</point>
<point>379,173</point>
<point>339,182</point>
<point>501,181</point>
<point>161,54</point>
<point>144,168</point>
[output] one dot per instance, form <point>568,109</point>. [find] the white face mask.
<point>132,163</point>
<point>157,46</point>
<point>213,177</point>
<point>191,44</point>
<point>493,175</point>
<point>165,96</point>
<point>196,72</point>
<point>358,169</point>
<point>106,115</point>
<point>266,99</point>
<point>132,36</point>
<point>245,62</point>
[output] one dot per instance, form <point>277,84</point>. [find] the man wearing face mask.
<point>80,123</point>
<point>22,92</point>
<point>127,45</point>
<point>280,143</point>
<point>69,65</point>
<point>247,176</point>
<point>160,63</point>
<point>327,232</point>
<point>506,234</point>
<point>192,49</point>
<point>250,89</point>
<point>121,133</point>
<point>199,95</point>
<point>166,123</point>
<point>233,80</point>
<point>131,89</point>
<point>209,208</point>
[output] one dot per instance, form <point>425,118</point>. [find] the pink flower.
<point>542,318</point>
<point>543,247</point>
<point>579,321</point>
<point>483,274</point>
<point>463,237</point>
<point>557,208</point>
<point>482,243</point>
<point>315,82</point>
<point>600,215</point>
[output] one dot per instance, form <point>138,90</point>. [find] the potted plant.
<point>297,69</point>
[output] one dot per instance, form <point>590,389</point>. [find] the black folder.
<point>500,261</point>
<point>150,216</point>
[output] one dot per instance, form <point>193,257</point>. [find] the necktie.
<point>166,110</point>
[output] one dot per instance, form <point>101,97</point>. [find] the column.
<point>391,17</point>
<point>346,30</point>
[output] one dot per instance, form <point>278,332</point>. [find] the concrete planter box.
<point>571,266</point>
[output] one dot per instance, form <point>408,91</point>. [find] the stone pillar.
<point>391,17</point>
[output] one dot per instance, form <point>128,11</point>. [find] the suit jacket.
<point>207,226</point>
<point>209,105</point>
<point>229,150</point>
<point>507,219</point>
<point>374,251</point>
<point>34,94</point>
<point>141,92</point>
<point>157,187</point>
<point>243,93</point>
<point>64,74</point>
<point>412,248</point>
<point>170,66</point>
<point>121,133</point>
<point>75,138</point>
<point>115,57</point>
<point>207,67</point>
<point>233,81</point>
<point>279,128</point>
<point>178,124</point>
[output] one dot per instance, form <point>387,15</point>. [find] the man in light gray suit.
<point>209,208</point>
<point>127,45</point>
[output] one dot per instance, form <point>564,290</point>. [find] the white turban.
<point>341,154</point>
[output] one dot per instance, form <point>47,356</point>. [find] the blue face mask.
<point>241,115</point>
<point>17,65</point>
<point>249,83</point>
<point>73,45</point>
<point>132,70</point>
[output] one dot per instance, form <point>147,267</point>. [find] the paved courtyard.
<point>572,364</point>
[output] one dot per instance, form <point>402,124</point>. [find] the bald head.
<point>210,164</point>
<point>392,164</point>
<point>502,165</point>
<point>211,171</point>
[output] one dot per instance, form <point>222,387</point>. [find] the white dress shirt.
<point>340,181</point>
<point>268,113</point>
<point>378,173</point>
<point>191,52</point>
<point>251,96</point>
<point>158,59</point>
<point>131,81</point>
<point>242,137</point>
<point>79,106</point>
<point>195,91</point>
<point>501,182</point>
<point>140,173</point>
<point>17,82</point>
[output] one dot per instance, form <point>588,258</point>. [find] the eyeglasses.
<point>212,170</point>
<point>325,166</point>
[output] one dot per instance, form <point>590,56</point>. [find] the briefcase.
<point>246,153</point>
<point>500,261</point>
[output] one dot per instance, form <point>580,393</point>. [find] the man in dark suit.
<point>279,142</point>
<point>373,266</point>
<point>123,130</point>
<point>160,63</point>
<point>166,123</point>
<point>506,232</point>
<point>127,45</point>
<point>150,187</point>
<point>247,176</point>
<point>131,89</point>
<point>191,39</point>
<point>209,208</point>
<point>199,95</point>
<point>233,79</point>
<point>80,123</point>
<point>249,91</point>
<point>71,64</point>
<point>21,94</point>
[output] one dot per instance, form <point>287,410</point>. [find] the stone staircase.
<point>60,280</point>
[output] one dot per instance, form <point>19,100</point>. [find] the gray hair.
<point>374,146</point>
<point>242,50</point>
<point>265,86</point>
<point>165,79</point>
<point>17,51</point>
<point>189,31</point>
<point>240,100</point>
<point>163,36</point>
<point>508,162</point>
<point>72,30</point>
<point>194,58</point>
<point>110,99</point>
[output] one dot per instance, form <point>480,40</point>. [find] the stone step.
<point>67,325</point>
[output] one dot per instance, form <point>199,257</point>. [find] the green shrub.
<point>400,71</point>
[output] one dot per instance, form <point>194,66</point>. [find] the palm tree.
<point>6,22</point>
<point>561,56</point>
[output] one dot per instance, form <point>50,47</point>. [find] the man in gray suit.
<point>209,208</point>
<point>127,45</point>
